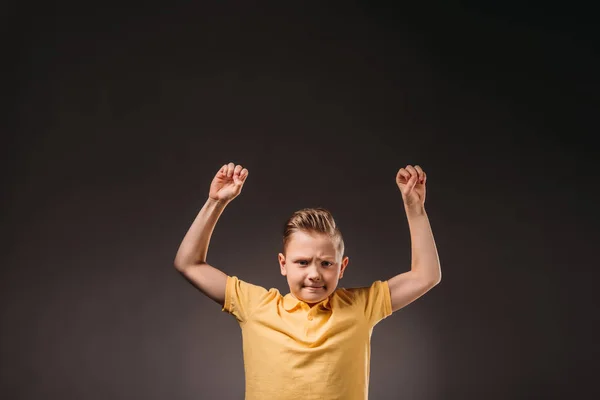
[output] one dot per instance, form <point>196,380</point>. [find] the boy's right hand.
<point>227,183</point>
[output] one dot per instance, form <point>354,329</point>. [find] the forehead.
<point>303,241</point>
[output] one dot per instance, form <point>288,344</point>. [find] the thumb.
<point>410,184</point>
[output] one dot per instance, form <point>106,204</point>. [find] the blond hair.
<point>313,220</point>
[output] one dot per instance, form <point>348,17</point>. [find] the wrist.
<point>217,202</point>
<point>414,209</point>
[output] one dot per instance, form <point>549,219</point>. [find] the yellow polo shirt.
<point>292,351</point>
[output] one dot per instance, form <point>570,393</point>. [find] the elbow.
<point>179,266</point>
<point>181,262</point>
<point>434,281</point>
<point>437,277</point>
<point>184,266</point>
<point>430,280</point>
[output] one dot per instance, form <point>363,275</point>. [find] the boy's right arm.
<point>190,260</point>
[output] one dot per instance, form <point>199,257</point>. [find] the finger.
<point>223,170</point>
<point>236,171</point>
<point>424,177</point>
<point>410,184</point>
<point>403,176</point>
<point>407,176</point>
<point>420,172</point>
<point>237,180</point>
<point>230,168</point>
<point>243,174</point>
<point>236,175</point>
<point>412,170</point>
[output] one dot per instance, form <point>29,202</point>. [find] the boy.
<point>314,342</point>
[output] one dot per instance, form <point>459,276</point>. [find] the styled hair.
<point>313,220</point>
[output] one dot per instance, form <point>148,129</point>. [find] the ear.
<point>281,259</point>
<point>345,261</point>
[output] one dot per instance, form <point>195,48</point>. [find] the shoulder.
<point>373,300</point>
<point>361,294</point>
<point>243,298</point>
<point>257,291</point>
<point>360,290</point>
<point>347,296</point>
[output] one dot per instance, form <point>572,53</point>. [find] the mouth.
<point>314,287</point>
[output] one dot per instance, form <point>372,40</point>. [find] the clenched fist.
<point>227,183</point>
<point>411,181</point>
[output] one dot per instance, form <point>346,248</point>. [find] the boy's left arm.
<point>425,270</point>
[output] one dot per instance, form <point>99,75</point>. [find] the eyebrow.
<point>327,257</point>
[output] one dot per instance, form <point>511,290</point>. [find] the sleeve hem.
<point>387,299</point>
<point>227,305</point>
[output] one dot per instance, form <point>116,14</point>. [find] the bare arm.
<point>191,256</point>
<point>425,270</point>
<point>190,259</point>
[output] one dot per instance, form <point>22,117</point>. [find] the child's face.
<point>312,266</point>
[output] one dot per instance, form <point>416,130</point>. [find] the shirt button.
<point>310,317</point>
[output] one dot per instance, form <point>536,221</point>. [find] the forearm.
<point>425,261</point>
<point>194,247</point>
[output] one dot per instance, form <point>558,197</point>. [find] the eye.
<point>301,262</point>
<point>326,264</point>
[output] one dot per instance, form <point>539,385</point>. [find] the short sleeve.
<point>375,301</point>
<point>241,298</point>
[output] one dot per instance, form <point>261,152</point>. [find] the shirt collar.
<point>290,302</point>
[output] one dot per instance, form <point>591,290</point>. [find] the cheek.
<point>333,275</point>
<point>294,275</point>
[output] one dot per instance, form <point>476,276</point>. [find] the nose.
<point>313,274</point>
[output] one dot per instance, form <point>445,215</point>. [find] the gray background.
<point>120,117</point>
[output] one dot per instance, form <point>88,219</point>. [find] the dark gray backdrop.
<point>120,117</point>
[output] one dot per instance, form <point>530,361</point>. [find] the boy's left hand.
<point>411,182</point>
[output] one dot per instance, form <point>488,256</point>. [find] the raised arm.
<point>425,270</point>
<point>190,259</point>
